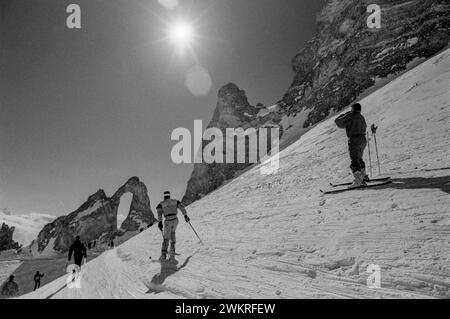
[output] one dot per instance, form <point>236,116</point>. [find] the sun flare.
<point>181,34</point>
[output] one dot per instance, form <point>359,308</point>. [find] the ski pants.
<point>37,284</point>
<point>78,259</point>
<point>356,146</point>
<point>170,226</point>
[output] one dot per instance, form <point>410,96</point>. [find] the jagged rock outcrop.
<point>232,111</point>
<point>6,238</point>
<point>96,219</point>
<point>347,57</point>
<point>340,63</point>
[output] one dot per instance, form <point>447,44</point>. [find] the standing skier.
<point>169,209</point>
<point>37,280</point>
<point>355,126</point>
<point>78,250</point>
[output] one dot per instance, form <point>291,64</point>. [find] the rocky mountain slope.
<point>96,219</point>
<point>342,62</point>
<point>277,236</point>
<point>232,111</point>
<point>6,238</point>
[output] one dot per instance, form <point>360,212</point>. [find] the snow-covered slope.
<point>277,236</point>
<point>27,226</point>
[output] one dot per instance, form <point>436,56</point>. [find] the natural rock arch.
<point>140,211</point>
<point>96,219</point>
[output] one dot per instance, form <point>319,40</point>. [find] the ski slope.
<point>277,237</point>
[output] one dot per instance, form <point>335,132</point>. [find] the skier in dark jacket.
<point>37,280</point>
<point>78,250</point>
<point>355,127</point>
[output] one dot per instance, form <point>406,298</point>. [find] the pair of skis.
<point>340,188</point>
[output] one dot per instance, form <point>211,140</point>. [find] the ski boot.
<point>163,256</point>
<point>365,176</point>
<point>359,180</point>
<point>172,259</point>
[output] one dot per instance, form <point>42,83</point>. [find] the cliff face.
<point>96,219</point>
<point>232,111</point>
<point>347,57</point>
<point>6,238</point>
<point>344,59</point>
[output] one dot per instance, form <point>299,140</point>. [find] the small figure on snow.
<point>169,209</point>
<point>355,126</point>
<point>37,280</point>
<point>78,249</point>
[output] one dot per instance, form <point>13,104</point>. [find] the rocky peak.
<point>6,238</point>
<point>232,95</point>
<point>232,111</point>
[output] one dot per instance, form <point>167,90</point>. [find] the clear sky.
<point>87,109</point>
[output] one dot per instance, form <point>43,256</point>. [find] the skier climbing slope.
<point>169,209</point>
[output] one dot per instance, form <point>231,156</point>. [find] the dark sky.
<point>87,109</point>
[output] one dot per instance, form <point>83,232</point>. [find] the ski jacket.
<point>38,277</point>
<point>354,124</point>
<point>169,209</point>
<point>78,250</point>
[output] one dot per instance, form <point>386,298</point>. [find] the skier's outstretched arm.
<point>183,210</point>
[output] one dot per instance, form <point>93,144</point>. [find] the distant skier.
<point>10,288</point>
<point>37,280</point>
<point>355,126</point>
<point>169,209</point>
<point>78,250</point>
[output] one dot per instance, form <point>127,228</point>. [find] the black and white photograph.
<point>224,157</point>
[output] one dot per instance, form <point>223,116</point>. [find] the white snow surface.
<point>276,236</point>
<point>27,226</point>
<point>90,210</point>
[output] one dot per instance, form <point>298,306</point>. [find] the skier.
<point>355,127</point>
<point>78,250</point>
<point>37,280</point>
<point>10,288</point>
<point>169,209</point>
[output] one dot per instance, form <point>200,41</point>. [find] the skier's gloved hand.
<point>160,226</point>
<point>187,219</point>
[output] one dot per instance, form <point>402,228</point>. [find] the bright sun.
<point>181,34</point>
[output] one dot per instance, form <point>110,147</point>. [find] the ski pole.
<point>370,158</point>
<point>374,133</point>
<point>195,232</point>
